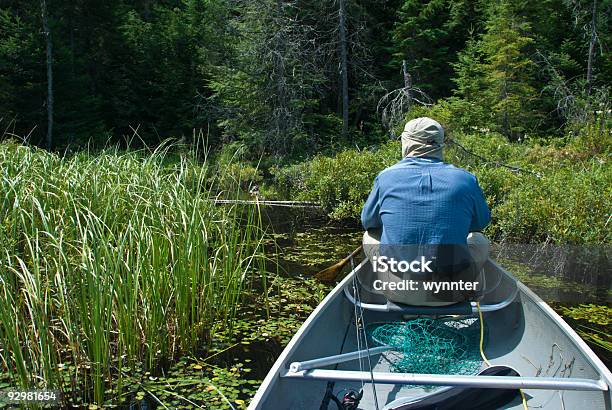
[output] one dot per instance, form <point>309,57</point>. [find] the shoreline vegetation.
<point>539,191</point>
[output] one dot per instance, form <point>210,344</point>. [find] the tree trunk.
<point>407,81</point>
<point>343,67</point>
<point>47,33</point>
<point>281,115</point>
<point>592,44</point>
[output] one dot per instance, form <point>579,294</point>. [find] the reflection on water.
<point>575,280</point>
<point>306,241</point>
<point>563,274</point>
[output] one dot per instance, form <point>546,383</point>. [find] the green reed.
<point>113,259</point>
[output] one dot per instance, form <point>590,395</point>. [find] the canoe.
<point>530,349</point>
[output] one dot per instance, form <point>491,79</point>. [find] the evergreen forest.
<point>290,79</point>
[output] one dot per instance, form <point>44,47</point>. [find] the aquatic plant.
<point>592,322</point>
<point>112,260</point>
<point>596,337</point>
<point>596,314</point>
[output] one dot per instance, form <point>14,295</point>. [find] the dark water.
<point>307,241</point>
<point>575,280</point>
<point>568,274</point>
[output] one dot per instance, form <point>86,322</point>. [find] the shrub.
<point>536,193</point>
<point>234,173</point>
<point>340,183</point>
<point>566,205</point>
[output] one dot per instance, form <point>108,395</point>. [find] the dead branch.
<point>496,163</point>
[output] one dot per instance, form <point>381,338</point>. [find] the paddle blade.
<point>330,274</point>
<point>333,272</point>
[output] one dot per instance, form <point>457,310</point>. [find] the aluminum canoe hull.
<point>526,335</point>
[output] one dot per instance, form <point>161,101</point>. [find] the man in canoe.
<point>424,206</point>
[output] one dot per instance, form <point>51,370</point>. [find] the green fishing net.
<point>431,346</point>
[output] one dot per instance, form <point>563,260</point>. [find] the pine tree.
<point>470,73</point>
<point>495,74</point>
<point>22,71</point>
<point>268,88</point>
<point>428,34</point>
<point>509,72</point>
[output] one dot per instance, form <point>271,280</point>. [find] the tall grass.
<point>113,259</point>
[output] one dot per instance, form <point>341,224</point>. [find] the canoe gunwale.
<point>589,355</point>
<point>275,371</point>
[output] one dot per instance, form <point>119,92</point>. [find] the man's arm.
<point>482,215</point>
<point>370,216</point>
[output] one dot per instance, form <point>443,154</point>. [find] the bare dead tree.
<point>281,81</point>
<point>407,78</point>
<point>343,65</point>
<point>559,87</point>
<point>592,44</point>
<point>292,55</point>
<point>47,34</point>
<point>394,105</point>
<point>280,52</point>
<point>340,75</point>
<point>581,16</point>
<point>575,103</point>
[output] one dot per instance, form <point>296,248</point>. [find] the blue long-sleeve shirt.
<point>425,201</point>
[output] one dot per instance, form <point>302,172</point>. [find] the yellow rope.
<point>484,357</point>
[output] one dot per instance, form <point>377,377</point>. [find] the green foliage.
<point>266,73</point>
<point>496,72</point>
<point>509,72</point>
<point>428,35</point>
<point>522,72</point>
<point>340,183</point>
<point>115,64</point>
<point>596,314</point>
<point>289,181</point>
<point>236,175</point>
<point>561,194</point>
<point>115,259</point>
<point>443,112</point>
<point>269,88</point>
<point>547,285</point>
<point>175,50</point>
<point>594,137</point>
<point>230,371</point>
<point>21,66</point>
<point>592,322</point>
<point>565,205</point>
<point>596,337</point>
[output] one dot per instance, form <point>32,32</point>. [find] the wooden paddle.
<point>331,274</point>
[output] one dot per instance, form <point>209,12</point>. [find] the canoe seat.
<point>502,289</point>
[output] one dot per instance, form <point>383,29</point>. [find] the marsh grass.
<point>114,259</point>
